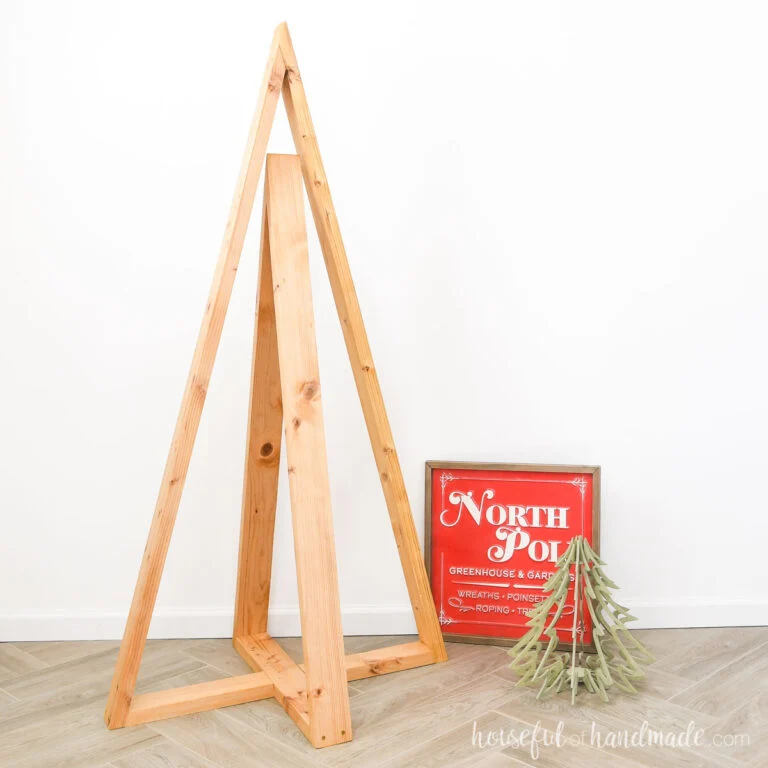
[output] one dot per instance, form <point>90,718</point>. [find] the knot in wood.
<point>310,390</point>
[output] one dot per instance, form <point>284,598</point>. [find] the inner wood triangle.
<point>285,392</point>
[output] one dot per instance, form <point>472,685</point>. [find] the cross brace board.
<point>285,394</point>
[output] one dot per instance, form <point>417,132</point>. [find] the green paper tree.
<point>618,655</point>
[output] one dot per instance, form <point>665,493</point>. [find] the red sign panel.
<point>494,535</point>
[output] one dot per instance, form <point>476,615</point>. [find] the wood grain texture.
<point>145,594</point>
<point>72,737</point>
<point>328,700</point>
<point>289,681</point>
<point>76,682</point>
<point>432,707</point>
<point>404,728</point>
<point>226,743</point>
<point>369,663</point>
<point>359,351</point>
<point>218,655</point>
<point>59,652</point>
<point>201,697</point>
<point>15,661</point>
<point>262,460</point>
<point>454,748</point>
<point>717,647</point>
<point>164,754</point>
<point>715,694</point>
<point>382,661</point>
<point>284,376</point>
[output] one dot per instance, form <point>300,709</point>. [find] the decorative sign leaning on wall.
<point>494,533</point>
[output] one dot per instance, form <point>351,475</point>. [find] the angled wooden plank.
<point>290,682</point>
<point>359,351</point>
<point>262,460</point>
<point>382,661</point>
<point>242,646</point>
<point>328,699</point>
<point>316,697</point>
<point>201,697</point>
<point>145,594</point>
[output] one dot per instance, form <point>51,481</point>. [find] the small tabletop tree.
<point>618,655</point>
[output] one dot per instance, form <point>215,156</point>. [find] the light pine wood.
<point>285,389</point>
<point>262,460</point>
<point>290,682</point>
<point>360,356</point>
<point>201,697</point>
<point>242,644</point>
<point>369,663</point>
<point>328,700</point>
<point>393,658</point>
<point>148,583</point>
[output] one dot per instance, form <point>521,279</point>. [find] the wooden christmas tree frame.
<point>285,389</point>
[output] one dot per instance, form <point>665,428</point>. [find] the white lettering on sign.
<point>496,514</point>
<point>511,522</point>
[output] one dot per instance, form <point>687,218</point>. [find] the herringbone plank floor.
<point>52,699</point>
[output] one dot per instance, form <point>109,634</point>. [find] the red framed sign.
<point>493,535</point>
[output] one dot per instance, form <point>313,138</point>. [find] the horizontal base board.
<point>275,675</point>
<point>356,620</point>
<point>202,697</point>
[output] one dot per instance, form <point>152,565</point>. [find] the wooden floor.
<point>52,699</point>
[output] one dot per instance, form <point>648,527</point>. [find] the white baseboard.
<point>356,620</point>
<point>196,622</point>
<point>697,612</point>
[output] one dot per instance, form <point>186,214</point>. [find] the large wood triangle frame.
<point>285,389</point>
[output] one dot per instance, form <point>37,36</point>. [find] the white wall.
<point>555,216</point>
